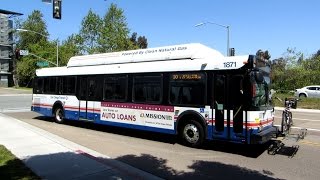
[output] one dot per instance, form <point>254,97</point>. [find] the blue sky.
<point>272,25</point>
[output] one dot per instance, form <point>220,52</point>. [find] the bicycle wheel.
<point>289,122</point>
<point>284,124</point>
<point>290,119</point>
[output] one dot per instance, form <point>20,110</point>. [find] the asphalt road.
<point>163,156</point>
<point>308,120</point>
<point>15,99</point>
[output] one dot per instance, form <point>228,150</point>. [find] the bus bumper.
<point>264,136</point>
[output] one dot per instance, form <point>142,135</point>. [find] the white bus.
<point>189,90</point>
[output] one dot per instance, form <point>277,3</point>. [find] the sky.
<point>273,25</point>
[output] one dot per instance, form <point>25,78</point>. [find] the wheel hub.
<point>191,133</point>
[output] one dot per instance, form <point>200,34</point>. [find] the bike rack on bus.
<point>278,147</point>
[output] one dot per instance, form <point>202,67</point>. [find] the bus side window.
<point>94,89</point>
<point>38,86</point>
<point>187,94</point>
<point>115,88</point>
<point>188,89</point>
<point>82,81</point>
<point>68,85</point>
<point>50,85</point>
<point>147,89</point>
<point>91,88</point>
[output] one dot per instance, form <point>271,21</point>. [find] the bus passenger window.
<point>115,88</point>
<point>68,85</point>
<point>50,85</point>
<point>187,89</point>
<point>147,89</point>
<point>38,86</point>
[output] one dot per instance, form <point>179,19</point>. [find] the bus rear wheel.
<point>192,133</point>
<point>59,115</point>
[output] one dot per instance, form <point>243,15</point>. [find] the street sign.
<point>24,52</point>
<point>42,63</point>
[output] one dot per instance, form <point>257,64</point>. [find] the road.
<point>163,156</point>
<point>15,100</point>
<point>308,120</point>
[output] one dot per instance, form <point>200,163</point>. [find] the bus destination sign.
<point>186,76</point>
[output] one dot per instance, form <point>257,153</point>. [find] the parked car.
<point>308,91</point>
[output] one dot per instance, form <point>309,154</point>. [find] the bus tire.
<point>192,133</point>
<point>59,115</point>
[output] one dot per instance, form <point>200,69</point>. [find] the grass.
<point>13,168</point>
<point>304,103</point>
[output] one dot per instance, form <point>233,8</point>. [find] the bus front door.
<point>236,106</point>
<point>220,122</point>
<point>228,109</point>
<point>85,106</point>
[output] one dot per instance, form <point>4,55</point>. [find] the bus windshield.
<point>260,79</point>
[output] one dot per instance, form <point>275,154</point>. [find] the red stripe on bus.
<point>249,124</point>
<point>138,106</point>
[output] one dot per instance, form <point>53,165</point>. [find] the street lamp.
<point>225,26</point>
<point>27,30</point>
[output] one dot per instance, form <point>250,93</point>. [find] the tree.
<point>293,70</point>
<point>26,66</point>
<point>141,42</point>
<point>91,26</point>
<point>34,23</point>
<point>36,42</point>
<point>263,54</point>
<point>291,57</point>
<point>108,34</point>
<point>69,48</point>
<point>115,32</point>
<point>316,54</point>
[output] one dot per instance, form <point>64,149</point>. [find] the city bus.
<point>188,90</point>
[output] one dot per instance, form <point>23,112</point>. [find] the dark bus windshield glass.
<point>261,83</point>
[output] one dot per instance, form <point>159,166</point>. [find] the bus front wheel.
<point>192,133</point>
<point>59,115</point>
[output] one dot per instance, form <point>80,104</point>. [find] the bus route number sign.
<point>188,76</point>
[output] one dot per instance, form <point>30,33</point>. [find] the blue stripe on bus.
<point>43,111</point>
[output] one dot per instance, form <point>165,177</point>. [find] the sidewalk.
<point>52,157</point>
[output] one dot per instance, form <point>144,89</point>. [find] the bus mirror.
<point>251,61</point>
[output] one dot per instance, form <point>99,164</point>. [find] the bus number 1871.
<point>229,64</point>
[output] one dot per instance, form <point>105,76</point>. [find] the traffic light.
<point>57,9</point>
<point>232,51</point>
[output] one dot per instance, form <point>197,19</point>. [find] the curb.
<point>17,89</point>
<point>122,167</point>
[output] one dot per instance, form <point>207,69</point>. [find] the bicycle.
<point>287,122</point>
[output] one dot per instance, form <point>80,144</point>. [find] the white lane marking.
<point>300,119</point>
<point>23,109</point>
<point>15,94</point>
<point>299,110</point>
<point>295,127</point>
